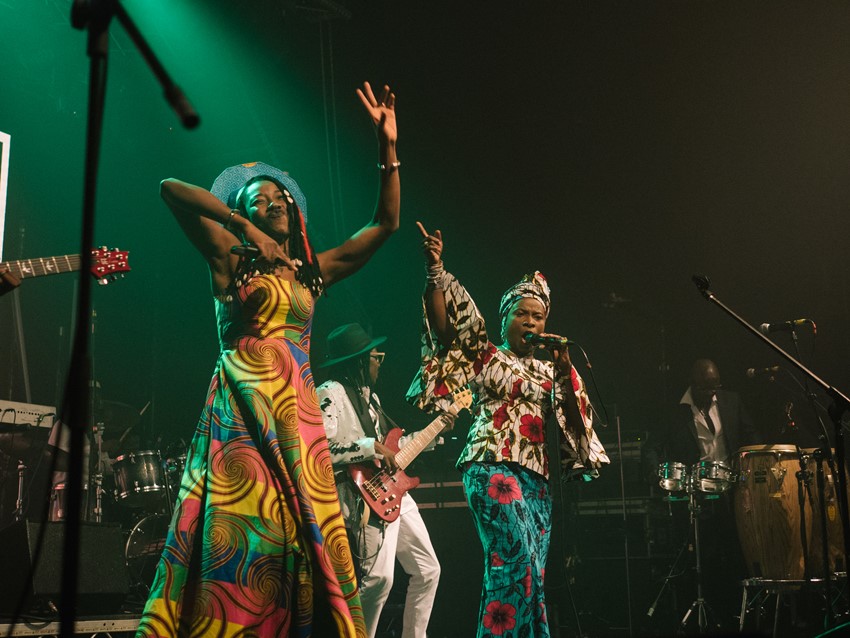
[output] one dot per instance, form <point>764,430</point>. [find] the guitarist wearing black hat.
<point>359,433</point>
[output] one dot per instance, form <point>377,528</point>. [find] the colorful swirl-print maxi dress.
<point>257,544</point>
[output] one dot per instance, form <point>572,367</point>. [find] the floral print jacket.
<point>513,395</point>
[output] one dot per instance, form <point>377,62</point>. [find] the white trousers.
<point>407,540</point>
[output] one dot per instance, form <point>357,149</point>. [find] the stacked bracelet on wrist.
<point>389,168</point>
<point>434,275</point>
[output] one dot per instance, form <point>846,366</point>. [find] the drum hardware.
<point>699,605</point>
<point>59,503</point>
<point>97,479</point>
<point>704,480</point>
<point>19,502</point>
<point>139,478</point>
<point>144,547</point>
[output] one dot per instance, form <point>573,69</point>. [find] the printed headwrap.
<point>533,285</point>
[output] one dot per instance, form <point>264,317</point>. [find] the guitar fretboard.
<point>410,451</point>
<point>43,266</point>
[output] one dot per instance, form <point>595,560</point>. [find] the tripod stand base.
<point>703,613</point>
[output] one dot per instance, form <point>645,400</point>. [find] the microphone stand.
<point>825,453</point>
<point>840,406</point>
<point>94,16</point>
<point>625,526</point>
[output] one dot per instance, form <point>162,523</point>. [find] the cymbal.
<point>116,418</point>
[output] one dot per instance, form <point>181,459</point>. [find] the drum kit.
<point>786,512</point>
<point>135,490</point>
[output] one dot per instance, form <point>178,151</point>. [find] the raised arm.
<point>435,300</point>
<point>213,229</point>
<point>342,261</point>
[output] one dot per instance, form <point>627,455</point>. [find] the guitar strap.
<point>384,420</point>
<point>362,410</point>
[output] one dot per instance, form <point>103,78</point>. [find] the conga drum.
<point>767,511</point>
<point>835,538</point>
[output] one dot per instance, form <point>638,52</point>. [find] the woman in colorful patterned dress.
<point>505,463</point>
<point>257,544</point>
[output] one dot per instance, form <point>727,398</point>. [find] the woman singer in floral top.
<point>505,463</point>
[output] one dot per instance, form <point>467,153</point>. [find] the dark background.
<point>618,147</point>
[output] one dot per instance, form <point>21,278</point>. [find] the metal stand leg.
<point>699,604</point>
<point>19,503</point>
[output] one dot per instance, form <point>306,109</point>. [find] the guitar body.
<point>383,491</point>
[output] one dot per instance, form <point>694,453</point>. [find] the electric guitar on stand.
<point>382,490</point>
<point>107,265</point>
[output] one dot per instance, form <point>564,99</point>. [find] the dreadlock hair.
<point>298,244</point>
<point>354,372</point>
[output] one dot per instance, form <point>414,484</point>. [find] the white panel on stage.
<point>5,140</point>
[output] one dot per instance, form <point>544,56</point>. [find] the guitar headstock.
<point>462,401</point>
<point>108,264</point>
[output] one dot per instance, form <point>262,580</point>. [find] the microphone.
<point>245,249</point>
<point>551,341</point>
<point>752,373</point>
<point>783,326</point>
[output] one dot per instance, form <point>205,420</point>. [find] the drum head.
<point>144,548</point>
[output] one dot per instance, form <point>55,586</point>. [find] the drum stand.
<point>699,605</point>
<point>97,478</point>
<point>19,502</point>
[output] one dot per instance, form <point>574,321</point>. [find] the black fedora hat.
<point>347,342</point>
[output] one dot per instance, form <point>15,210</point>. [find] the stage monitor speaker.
<point>103,581</point>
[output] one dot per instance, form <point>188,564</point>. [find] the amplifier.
<point>103,581</point>
<point>91,626</point>
<point>613,506</point>
<point>30,414</point>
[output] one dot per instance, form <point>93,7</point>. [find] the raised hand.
<point>381,111</point>
<point>432,245</point>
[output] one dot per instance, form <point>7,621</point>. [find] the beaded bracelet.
<point>229,221</point>
<point>389,168</point>
<point>434,274</point>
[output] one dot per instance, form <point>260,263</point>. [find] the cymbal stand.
<point>699,605</point>
<point>19,502</point>
<point>97,479</point>
<point>802,476</point>
<point>670,575</point>
<point>819,456</point>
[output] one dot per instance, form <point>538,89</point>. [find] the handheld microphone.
<point>752,373</point>
<point>783,326</point>
<point>245,249</point>
<point>550,341</point>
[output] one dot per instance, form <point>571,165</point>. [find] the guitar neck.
<point>411,450</point>
<point>25,268</point>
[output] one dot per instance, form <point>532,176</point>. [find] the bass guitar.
<point>381,489</point>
